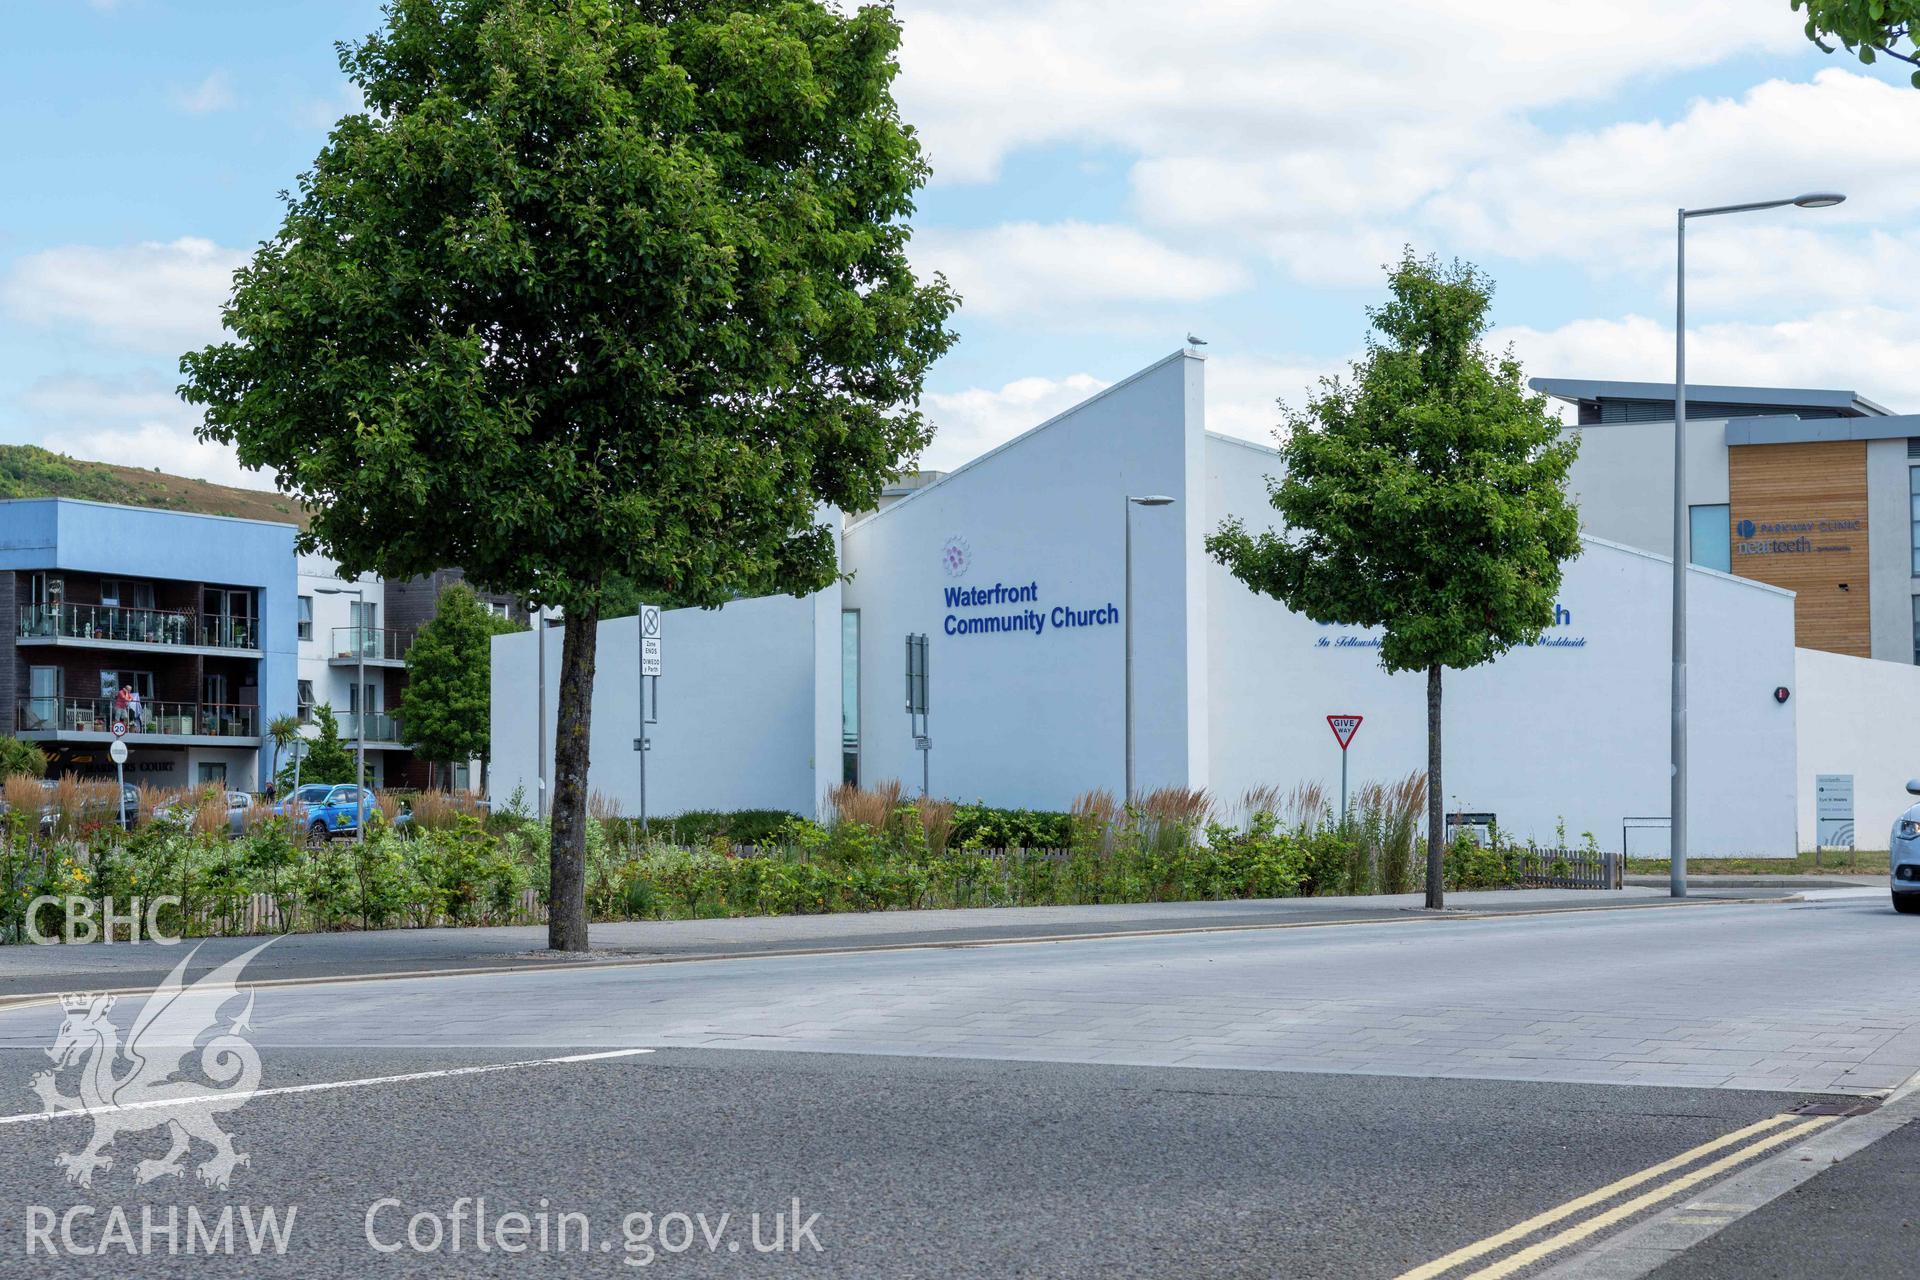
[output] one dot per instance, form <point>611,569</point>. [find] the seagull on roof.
<point>1196,342</point>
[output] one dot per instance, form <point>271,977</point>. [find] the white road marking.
<point>325,1085</point>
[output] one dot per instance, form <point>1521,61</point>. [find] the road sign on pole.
<point>119,729</point>
<point>118,753</point>
<point>649,640</point>
<point>1344,727</point>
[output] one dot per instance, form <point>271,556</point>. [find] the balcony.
<point>92,719</point>
<point>106,626</point>
<point>382,730</point>
<point>375,646</point>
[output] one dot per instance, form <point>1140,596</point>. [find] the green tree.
<point>21,757</point>
<point>1866,28</point>
<point>449,679</point>
<point>592,292</point>
<point>1427,497</point>
<point>326,758</point>
<point>282,730</point>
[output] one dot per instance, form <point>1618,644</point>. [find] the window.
<point>1916,631</point>
<point>305,618</point>
<point>213,771</point>
<point>124,593</point>
<point>305,699</point>
<point>1709,537</point>
<point>850,697</point>
<point>1913,491</point>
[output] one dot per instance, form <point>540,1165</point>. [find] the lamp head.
<point>1152,500</point>
<point>1819,200</point>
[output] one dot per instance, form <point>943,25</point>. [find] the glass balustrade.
<point>137,626</point>
<point>154,719</point>
<point>372,643</point>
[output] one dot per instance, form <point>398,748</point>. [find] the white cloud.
<point>968,423</point>
<point>1241,395</point>
<point>215,93</point>
<point>153,298</point>
<point>981,78</point>
<point>1606,198</point>
<point>135,422</point>
<point>1070,270</point>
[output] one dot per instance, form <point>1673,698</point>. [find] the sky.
<point>1109,176</point>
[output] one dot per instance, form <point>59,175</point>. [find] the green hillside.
<point>27,471</point>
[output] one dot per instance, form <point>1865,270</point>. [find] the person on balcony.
<point>121,701</point>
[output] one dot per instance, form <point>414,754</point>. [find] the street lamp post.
<point>1677,842</point>
<point>1148,500</point>
<point>359,595</point>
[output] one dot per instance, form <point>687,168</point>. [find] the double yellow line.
<point>1766,1135</point>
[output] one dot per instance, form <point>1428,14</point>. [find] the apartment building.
<point>191,615</point>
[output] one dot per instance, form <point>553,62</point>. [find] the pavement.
<point>44,970</point>
<point>1362,1096</point>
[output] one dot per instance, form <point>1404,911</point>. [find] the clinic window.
<point>1913,491</point>
<point>1709,537</point>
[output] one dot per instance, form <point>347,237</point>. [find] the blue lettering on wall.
<point>1061,617</point>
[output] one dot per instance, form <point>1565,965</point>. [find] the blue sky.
<point>1110,175</point>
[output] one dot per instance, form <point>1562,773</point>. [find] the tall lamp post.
<point>360,639</point>
<point>1148,500</point>
<point>1677,842</point>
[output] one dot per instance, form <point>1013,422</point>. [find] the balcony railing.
<point>375,644</point>
<point>380,728</point>
<point>122,625</point>
<point>155,719</point>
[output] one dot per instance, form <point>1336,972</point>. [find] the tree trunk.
<point>567,901</point>
<point>1436,811</point>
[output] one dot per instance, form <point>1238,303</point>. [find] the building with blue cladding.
<point>193,614</point>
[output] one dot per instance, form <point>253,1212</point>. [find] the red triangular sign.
<point>1344,727</point>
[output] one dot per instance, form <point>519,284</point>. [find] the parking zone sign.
<point>1344,727</point>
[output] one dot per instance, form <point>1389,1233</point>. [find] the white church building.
<point>1014,568</point>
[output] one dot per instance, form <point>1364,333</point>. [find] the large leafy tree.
<point>1427,497</point>
<point>447,701</point>
<point>594,293</point>
<point>1866,28</point>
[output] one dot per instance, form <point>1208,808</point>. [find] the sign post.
<point>1344,727</point>
<point>917,704</point>
<point>1832,813</point>
<point>649,630</point>
<point>118,753</point>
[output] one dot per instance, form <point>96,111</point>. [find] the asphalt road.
<point>1352,1100</point>
<point>916,1166</point>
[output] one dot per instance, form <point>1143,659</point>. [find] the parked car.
<point>310,794</point>
<point>337,814</point>
<point>1903,858</point>
<point>238,802</point>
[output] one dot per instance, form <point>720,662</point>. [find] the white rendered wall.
<point>1857,716</point>
<point>1622,480</point>
<point>1036,717</point>
<point>739,713</point>
<point>1558,732</point>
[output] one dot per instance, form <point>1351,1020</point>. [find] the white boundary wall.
<point>1573,730</point>
<point>749,713</point>
<point>1857,716</point>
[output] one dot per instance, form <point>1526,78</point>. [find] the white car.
<point>1903,857</point>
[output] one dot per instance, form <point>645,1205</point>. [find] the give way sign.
<point>1344,727</point>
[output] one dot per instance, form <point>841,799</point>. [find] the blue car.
<point>1903,860</point>
<point>332,810</point>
